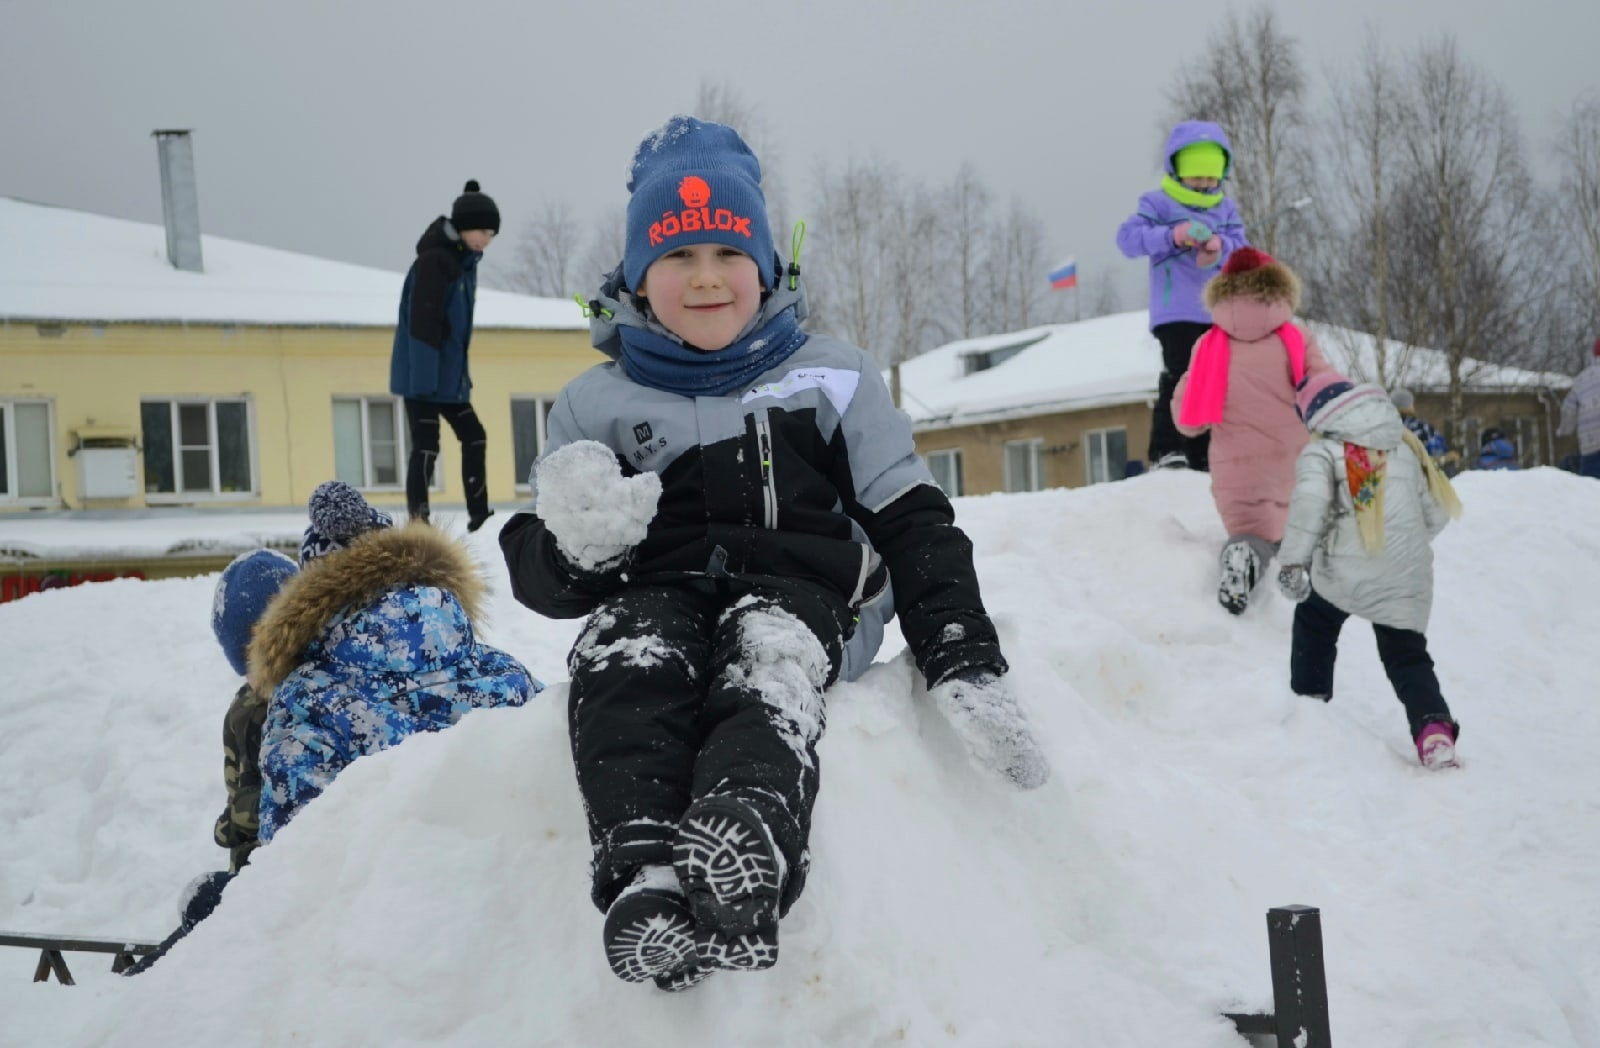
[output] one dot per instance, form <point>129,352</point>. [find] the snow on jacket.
<point>1580,410</point>
<point>365,647</point>
<point>1253,448</point>
<point>1176,278</point>
<point>1394,586</point>
<point>769,484</point>
<point>429,359</point>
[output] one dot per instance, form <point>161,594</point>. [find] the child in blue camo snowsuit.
<point>372,642</point>
<point>721,500</point>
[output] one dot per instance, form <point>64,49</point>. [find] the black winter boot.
<point>649,932</point>
<point>733,875</point>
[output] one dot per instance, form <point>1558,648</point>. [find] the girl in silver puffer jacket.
<point>1367,504</point>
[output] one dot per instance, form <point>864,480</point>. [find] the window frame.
<point>252,450</point>
<point>402,443</point>
<point>952,455</point>
<point>1035,464</point>
<point>8,430</point>
<point>1089,453</point>
<point>542,402</point>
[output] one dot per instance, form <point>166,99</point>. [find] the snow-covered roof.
<point>57,265</point>
<point>1115,360</point>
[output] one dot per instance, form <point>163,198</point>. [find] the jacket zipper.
<point>769,493</point>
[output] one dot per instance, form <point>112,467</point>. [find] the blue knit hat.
<point>695,183</point>
<point>243,592</point>
<point>338,514</point>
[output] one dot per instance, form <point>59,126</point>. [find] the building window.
<point>528,434</point>
<point>1024,468</point>
<point>197,447</point>
<point>27,466</point>
<point>946,469</point>
<point>985,359</point>
<point>1107,457</point>
<point>370,443</point>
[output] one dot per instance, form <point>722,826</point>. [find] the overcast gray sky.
<point>340,127</point>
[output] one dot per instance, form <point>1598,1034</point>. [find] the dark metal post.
<point>1299,981</point>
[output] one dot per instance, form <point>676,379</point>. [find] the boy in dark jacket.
<point>428,366</point>
<point>695,501</point>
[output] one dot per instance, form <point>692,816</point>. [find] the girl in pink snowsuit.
<point>1240,386</point>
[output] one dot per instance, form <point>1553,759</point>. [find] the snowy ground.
<point>437,893</point>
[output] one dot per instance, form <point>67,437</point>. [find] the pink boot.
<point>1436,746</point>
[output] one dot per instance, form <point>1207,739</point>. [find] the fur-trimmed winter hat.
<point>243,592</point>
<point>338,515</point>
<point>695,182</point>
<point>474,209</point>
<point>1252,273</point>
<point>1325,394</point>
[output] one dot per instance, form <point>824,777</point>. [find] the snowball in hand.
<point>595,513</point>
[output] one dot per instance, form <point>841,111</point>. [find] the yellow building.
<point>126,382</point>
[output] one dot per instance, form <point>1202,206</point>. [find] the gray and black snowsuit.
<point>691,676</point>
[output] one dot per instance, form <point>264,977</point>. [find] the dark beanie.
<point>338,515</point>
<point>695,182</point>
<point>474,209</point>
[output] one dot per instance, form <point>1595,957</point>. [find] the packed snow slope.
<point>437,893</point>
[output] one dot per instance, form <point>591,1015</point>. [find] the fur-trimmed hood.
<point>353,580</point>
<point>1273,282</point>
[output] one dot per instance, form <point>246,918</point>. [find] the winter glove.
<point>1209,254</point>
<point>200,897</point>
<point>1199,232</point>
<point>1295,582</point>
<point>992,727</point>
<point>1181,237</point>
<point>594,512</point>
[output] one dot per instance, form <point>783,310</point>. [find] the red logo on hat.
<point>696,216</point>
<point>694,191</point>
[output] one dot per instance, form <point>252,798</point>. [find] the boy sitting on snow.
<point>696,503</point>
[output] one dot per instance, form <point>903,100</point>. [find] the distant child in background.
<point>1368,502</point>
<point>1187,228</point>
<point>1240,389</point>
<point>1495,450</point>
<point>1431,440</point>
<point>244,589</point>
<point>1580,414</point>
<point>374,641</point>
<point>719,500</point>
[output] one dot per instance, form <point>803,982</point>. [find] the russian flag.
<point>1065,275</point>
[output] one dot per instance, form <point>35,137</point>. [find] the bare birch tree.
<point>1250,82</point>
<point>1578,150</point>
<point>964,236</point>
<point>1351,285</point>
<point>1463,217</point>
<point>543,262</point>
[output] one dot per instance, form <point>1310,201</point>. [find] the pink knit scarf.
<point>1207,390</point>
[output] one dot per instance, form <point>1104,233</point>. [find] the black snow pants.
<point>1315,643</point>
<point>422,425</point>
<point>689,689</point>
<point>1177,342</point>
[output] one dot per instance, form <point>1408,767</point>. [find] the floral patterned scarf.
<point>1364,468</point>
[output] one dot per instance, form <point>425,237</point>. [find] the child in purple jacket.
<point>1188,228</point>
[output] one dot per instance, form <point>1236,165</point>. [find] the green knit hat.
<point>1201,160</point>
